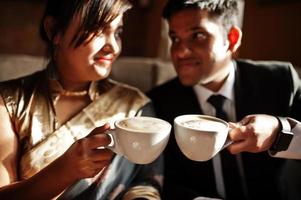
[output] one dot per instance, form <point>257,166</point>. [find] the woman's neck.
<point>74,86</point>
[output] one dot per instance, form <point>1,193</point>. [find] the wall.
<point>19,22</point>
<point>272,30</point>
<point>142,29</point>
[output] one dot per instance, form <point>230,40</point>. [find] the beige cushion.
<point>144,73</point>
<point>13,66</point>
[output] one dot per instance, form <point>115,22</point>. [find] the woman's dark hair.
<point>94,16</point>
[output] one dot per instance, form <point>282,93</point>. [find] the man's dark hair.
<point>94,16</point>
<point>226,10</point>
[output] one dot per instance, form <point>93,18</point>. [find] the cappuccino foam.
<point>144,124</point>
<point>203,125</point>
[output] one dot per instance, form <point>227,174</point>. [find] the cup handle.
<point>228,141</point>
<point>113,145</point>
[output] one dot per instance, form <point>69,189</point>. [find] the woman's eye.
<point>118,33</point>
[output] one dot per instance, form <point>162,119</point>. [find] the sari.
<point>30,103</point>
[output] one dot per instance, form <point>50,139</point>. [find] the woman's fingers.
<point>101,155</point>
<point>97,137</point>
<point>100,129</point>
<point>98,140</point>
<point>99,165</point>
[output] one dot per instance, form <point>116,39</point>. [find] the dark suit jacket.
<point>260,88</point>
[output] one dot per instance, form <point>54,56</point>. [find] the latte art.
<point>144,124</point>
<point>203,124</point>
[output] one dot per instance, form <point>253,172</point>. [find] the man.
<point>205,35</point>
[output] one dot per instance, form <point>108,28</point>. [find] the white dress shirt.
<point>227,90</point>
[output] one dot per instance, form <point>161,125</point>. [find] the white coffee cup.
<point>140,139</point>
<point>201,137</point>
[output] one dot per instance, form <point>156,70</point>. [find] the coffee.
<point>141,124</point>
<point>203,124</point>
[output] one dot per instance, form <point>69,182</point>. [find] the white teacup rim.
<point>116,123</point>
<point>181,118</point>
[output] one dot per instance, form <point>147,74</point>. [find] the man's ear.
<point>234,38</point>
<point>50,27</point>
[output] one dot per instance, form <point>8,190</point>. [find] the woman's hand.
<point>85,158</point>
<point>254,133</point>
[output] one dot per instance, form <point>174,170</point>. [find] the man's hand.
<point>254,133</point>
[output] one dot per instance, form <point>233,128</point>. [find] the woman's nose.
<point>112,45</point>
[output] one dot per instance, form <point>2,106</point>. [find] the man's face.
<point>199,48</point>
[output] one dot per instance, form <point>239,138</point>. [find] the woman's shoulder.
<point>23,87</point>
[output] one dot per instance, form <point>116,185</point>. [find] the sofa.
<point>144,73</point>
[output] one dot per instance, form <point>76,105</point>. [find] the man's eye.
<point>174,39</point>
<point>200,36</point>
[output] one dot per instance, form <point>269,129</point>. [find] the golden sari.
<point>30,104</point>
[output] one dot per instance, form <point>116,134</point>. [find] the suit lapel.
<point>245,99</point>
<point>238,93</point>
<point>188,100</point>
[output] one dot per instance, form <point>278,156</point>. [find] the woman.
<point>52,121</point>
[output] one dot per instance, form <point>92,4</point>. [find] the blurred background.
<point>271,29</point>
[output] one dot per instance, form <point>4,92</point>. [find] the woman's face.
<point>93,59</point>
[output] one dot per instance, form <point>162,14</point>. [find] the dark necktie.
<point>217,101</point>
<point>230,169</point>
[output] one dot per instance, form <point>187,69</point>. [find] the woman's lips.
<point>103,60</point>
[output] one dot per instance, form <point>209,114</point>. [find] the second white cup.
<point>201,137</point>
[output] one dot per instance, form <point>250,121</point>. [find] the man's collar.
<point>227,90</point>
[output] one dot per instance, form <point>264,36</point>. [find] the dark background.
<point>272,29</point>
